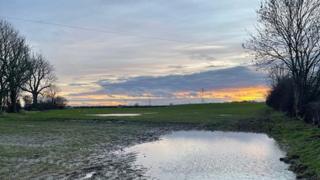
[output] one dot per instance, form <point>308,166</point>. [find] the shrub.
<point>281,96</point>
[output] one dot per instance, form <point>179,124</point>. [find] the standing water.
<point>205,155</point>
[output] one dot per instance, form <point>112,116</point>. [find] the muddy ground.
<point>74,149</point>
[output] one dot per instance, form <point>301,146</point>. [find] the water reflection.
<point>212,155</point>
<point>116,115</point>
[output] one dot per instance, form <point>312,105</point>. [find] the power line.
<point>202,95</point>
<point>100,30</point>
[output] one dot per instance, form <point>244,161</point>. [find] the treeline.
<point>25,77</point>
<point>282,97</point>
<point>287,43</point>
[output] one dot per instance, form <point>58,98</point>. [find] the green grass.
<point>302,140</point>
<point>195,114</point>
<point>72,133</point>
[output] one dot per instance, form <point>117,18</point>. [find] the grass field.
<point>194,114</point>
<point>68,143</point>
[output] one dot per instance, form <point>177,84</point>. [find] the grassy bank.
<point>47,143</point>
<point>301,141</point>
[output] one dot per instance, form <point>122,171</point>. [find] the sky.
<point>112,52</point>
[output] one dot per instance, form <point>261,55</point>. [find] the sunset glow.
<point>257,93</point>
<point>253,93</point>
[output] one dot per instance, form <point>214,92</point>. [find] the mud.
<point>75,149</point>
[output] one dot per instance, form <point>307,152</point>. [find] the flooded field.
<point>160,144</point>
<point>69,144</point>
<point>110,150</point>
<point>212,155</point>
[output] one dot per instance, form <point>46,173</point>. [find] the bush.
<point>312,113</point>
<point>281,96</point>
<point>58,102</point>
<point>27,102</point>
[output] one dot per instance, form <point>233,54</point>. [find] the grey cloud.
<point>239,76</point>
<point>176,66</point>
<point>77,84</point>
<point>203,57</point>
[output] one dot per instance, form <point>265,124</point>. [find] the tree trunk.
<point>1,103</point>
<point>295,103</point>
<point>13,102</point>
<point>299,96</point>
<point>35,99</point>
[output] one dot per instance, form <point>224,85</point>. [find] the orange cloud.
<point>255,93</point>
<point>107,99</point>
<point>96,103</point>
<point>252,93</point>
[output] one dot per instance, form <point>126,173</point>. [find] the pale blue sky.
<point>146,37</point>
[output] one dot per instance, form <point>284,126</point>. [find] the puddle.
<point>205,155</point>
<point>115,115</point>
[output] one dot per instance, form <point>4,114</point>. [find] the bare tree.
<point>280,96</point>
<point>3,80</point>
<point>3,56</point>
<point>42,77</point>
<point>60,102</point>
<point>277,73</point>
<point>289,32</point>
<point>14,54</point>
<point>51,93</point>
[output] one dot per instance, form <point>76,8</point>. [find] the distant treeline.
<point>287,43</point>
<point>155,106</point>
<point>120,106</point>
<point>25,77</point>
